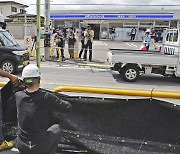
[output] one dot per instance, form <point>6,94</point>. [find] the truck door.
<point>171,42</point>
<point>178,65</point>
<point>178,68</point>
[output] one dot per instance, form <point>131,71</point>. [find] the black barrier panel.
<point>111,121</point>
<point>144,119</point>
<point>117,125</point>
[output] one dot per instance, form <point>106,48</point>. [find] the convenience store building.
<point>102,20</point>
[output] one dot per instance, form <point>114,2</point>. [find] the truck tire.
<point>130,73</point>
<point>8,66</point>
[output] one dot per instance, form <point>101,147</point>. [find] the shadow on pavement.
<point>149,80</point>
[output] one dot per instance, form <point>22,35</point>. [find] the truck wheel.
<point>130,73</point>
<point>8,66</point>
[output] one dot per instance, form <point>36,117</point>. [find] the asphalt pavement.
<point>97,73</point>
<point>79,73</point>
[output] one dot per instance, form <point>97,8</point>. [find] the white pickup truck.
<point>133,63</point>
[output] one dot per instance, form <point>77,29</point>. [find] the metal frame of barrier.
<point>2,84</point>
<point>124,92</point>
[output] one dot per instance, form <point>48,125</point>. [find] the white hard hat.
<point>148,30</point>
<point>1,18</point>
<point>31,71</point>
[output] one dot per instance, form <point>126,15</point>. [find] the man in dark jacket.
<point>88,40</point>
<point>60,44</point>
<point>71,42</point>
<point>82,43</point>
<point>35,108</point>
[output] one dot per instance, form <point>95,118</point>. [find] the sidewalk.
<point>75,62</point>
<point>69,62</point>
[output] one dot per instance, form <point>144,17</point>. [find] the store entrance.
<point>96,28</point>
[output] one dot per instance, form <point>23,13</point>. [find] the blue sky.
<point>32,6</point>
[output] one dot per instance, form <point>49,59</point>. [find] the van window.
<point>7,40</point>
<point>171,37</point>
<point>167,37</point>
<point>175,38</point>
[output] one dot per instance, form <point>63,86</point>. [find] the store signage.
<point>94,16</point>
<point>93,21</point>
<point>112,16</point>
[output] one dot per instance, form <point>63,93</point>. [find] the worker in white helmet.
<point>34,114</point>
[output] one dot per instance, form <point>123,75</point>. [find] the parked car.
<point>13,57</point>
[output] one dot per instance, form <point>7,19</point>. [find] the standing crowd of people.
<point>152,37</point>
<point>86,36</point>
<point>72,37</point>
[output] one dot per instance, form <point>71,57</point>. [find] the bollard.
<point>76,47</point>
<point>30,48</point>
<point>51,51</point>
<point>34,53</point>
<point>59,53</point>
<point>47,45</point>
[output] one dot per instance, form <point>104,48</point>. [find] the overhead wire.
<point>133,5</point>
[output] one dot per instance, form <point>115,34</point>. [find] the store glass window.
<point>146,23</point>
<point>130,24</point>
<point>162,23</point>
<point>173,24</point>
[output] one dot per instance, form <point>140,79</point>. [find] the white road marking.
<point>98,43</point>
<point>105,44</point>
<point>134,45</point>
<point>129,44</point>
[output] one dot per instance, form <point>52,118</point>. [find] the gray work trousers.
<point>46,146</point>
<point>1,123</point>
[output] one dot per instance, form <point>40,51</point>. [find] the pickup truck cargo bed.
<point>141,57</point>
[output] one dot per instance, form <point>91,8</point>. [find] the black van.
<point>13,57</point>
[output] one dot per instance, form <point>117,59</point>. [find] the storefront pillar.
<point>169,24</point>
<point>178,24</point>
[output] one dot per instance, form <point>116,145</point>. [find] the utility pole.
<point>47,30</point>
<point>38,4</point>
<point>25,24</point>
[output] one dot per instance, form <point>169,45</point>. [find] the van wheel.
<point>8,66</point>
<point>130,73</point>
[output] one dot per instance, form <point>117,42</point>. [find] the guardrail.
<point>2,84</point>
<point>124,92</point>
